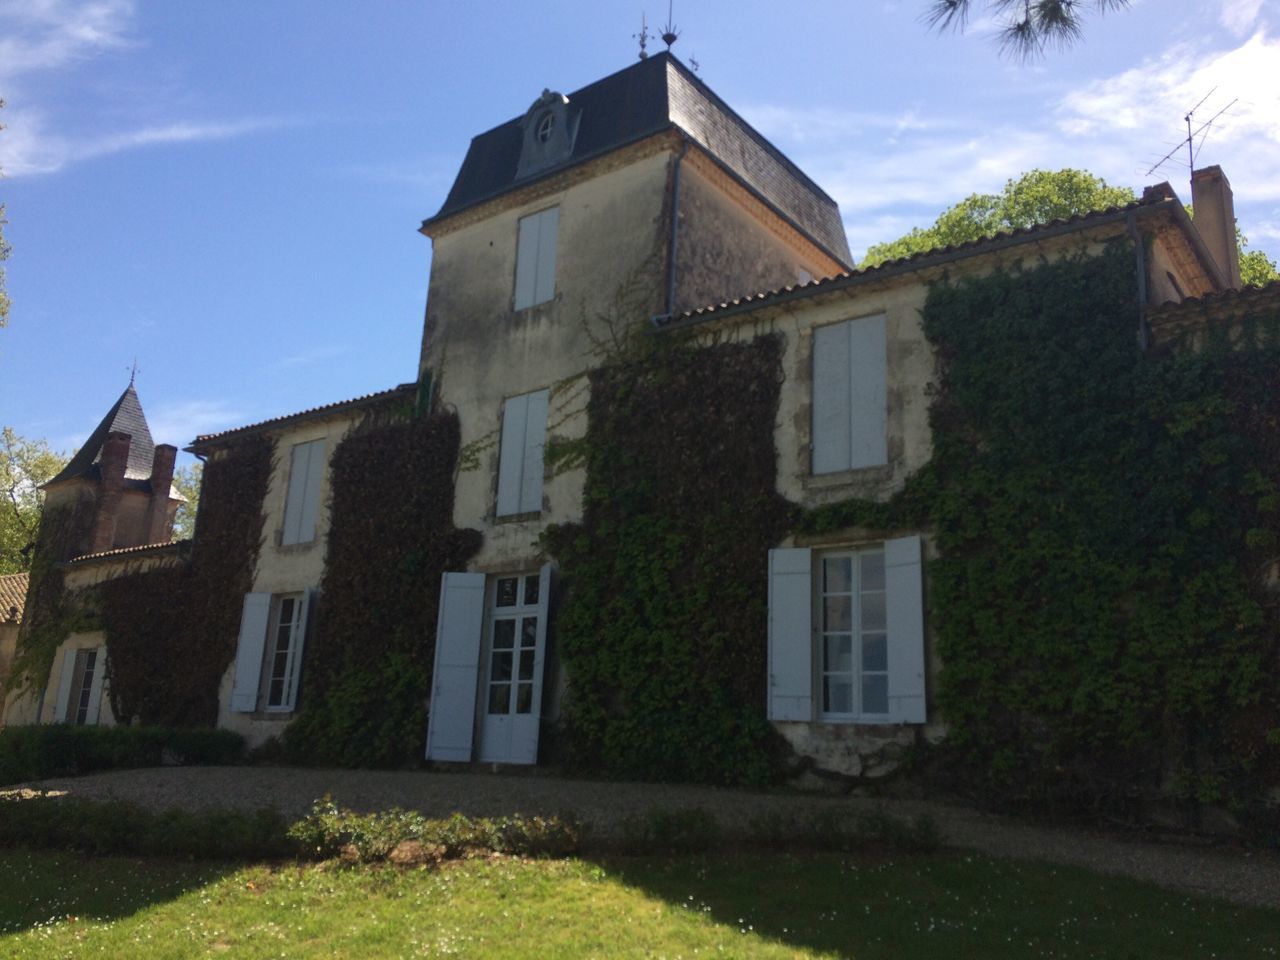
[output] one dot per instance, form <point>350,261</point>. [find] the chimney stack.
<point>1214,215</point>
<point>111,466</point>
<point>158,529</point>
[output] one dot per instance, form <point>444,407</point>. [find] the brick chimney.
<point>158,528</point>
<point>111,467</point>
<point>1214,215</point>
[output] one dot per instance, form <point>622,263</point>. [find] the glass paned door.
<point>516,637</point>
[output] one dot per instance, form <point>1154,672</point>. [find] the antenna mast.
<point>1192,134</point>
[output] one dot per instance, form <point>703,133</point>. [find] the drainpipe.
<point>675,236</point>
<point>1140,258</point>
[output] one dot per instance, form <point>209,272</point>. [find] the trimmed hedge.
<point>39,752</point>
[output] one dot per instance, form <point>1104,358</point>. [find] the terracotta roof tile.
<point>173,546</point>
<point>13,595</point>
<point>206,439</point>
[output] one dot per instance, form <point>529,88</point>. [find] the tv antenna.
<point>643,36</point>
<point>670,32</point>
<point>1190,141</point>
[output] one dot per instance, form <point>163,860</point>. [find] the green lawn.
<point>930,906</point>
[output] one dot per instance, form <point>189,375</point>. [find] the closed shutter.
<point>515,414</point>
<point>451,723</point>
<point>254,617</point>
<point>548,226</point>
<point>526,262</point>
<point>64,687</point>
<point>535,439</point>
<point>311,495</point>
<point>905,614</point>
<point>790,635</point>
<point>867,360</point>
<point>831,411</point>
<point>95,686</point>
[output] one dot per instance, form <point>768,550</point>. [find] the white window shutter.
<point>311,494</point>
<point>535,439</point>
<point>905,611</point>
<point>511,453</point>
<point>299,459</point>
<point>790,635</point>
<point>831,412</point>
<point>299,645</point>
<point>526,262</point>
<point>867,398</point>
<point>64,687</point>
<point>254,617</point>
<point>548,227</point>
<point>95,686</point>
<point>459,626</point>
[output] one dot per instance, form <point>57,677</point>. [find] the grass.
<point>780,905</point>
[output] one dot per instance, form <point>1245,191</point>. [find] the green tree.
<point>1256,269</point>
<point>1027,27</point>
<point>186,481</point>
<point>1034,198</point>
<point>24,465</point>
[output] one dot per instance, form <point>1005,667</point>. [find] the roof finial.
<point>133,371</point>
<point>643,36</point>
<point>670,32</point>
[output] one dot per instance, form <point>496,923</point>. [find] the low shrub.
<point>58,750</point>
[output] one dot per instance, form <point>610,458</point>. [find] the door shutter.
<point>95,687</point>
<point>535,438</point>
<point>451,722</point>
<point>790,635</point>
<point>905,611</point>
<point>515,414</point>
<point>831,412</point>
<point>867,399</point>
<point>524,742</point>
<point>64,687</point>
<point>254,617</point>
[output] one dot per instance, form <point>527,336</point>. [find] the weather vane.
<point>133,371</point>
<point>643,36</point>
<point>670,32</point>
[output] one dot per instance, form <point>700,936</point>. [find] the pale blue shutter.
<point>64,687</point>
<point>790,635</point>
<point>311,492</point>
<point>831,411</point>
<point>95,686</point>
<point>535,439</point>
<point>511,453</point>
<point>867,398</point>
<point>548,227</point>
<point>254,617</point>
<point>299,645</point>
<point>451,722</point>
<point>905,612</point>
<point>526,262</point>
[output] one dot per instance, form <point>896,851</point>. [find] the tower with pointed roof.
<point>119,485</point>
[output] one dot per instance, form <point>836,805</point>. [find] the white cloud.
<point>1239,16</point>
<point>28,148</point>
<point>48,34</point>
<point>179,423</point>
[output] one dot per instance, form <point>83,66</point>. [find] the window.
<point>513,641</point>
<point>302,502</point>
<point>846,634</point>
<point>849,382</point>
<point>524,434</point>
<point>273,632</point>
<point>80,686</point>
<point>536,258</point>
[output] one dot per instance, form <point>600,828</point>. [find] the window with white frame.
<point>273,633</point>
<point>524,434</point>
<point>513,643</point>
<point>536,258</point>
<point>302,502</point>
<point>846,634</point>
<point>849,398</point>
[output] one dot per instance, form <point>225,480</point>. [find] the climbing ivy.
<point>662,630</point>
<point>368,671</point>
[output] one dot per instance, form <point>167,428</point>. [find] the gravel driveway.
<point>1244,877</point>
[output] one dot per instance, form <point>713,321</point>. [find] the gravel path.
<point>1246,877</point>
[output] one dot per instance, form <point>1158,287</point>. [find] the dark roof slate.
<point>650,96</point>
<point>125,416</point>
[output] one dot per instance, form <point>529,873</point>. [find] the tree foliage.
<point>1036,197</point>
<point>1027,27</point>
<point>186,481</point>
<point>24,465</point>
<point>1256,268</point>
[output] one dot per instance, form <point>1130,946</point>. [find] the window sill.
<point>878,473</point>
<point>519,517</point>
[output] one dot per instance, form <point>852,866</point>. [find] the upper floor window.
<point>849,384</point>
<point>302,502</point>
<point>536,258</point>
<point>524,434</point>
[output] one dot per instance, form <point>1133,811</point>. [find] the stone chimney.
<point>1214,215</point>
<point>111,467</point>
<point>158,529</point>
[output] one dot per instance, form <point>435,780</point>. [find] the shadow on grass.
<point>44,886</point>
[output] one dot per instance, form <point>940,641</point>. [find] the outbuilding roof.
<point>13,597</point>
<point>648,97</point>
<point>314,413</point>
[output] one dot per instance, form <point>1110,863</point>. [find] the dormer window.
<point>546,126</point>
<point>549,128</point>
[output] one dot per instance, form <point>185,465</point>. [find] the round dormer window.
<point>546,124</point>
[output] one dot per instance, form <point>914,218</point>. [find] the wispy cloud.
<point>47,34</point>
<point>179,423</point>
<point>29,148</point>
<point>1239,16</point>
<point>307,357</point>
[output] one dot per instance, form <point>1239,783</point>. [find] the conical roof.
<point>125,416</point>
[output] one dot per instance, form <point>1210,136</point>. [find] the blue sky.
<point>230,191</point>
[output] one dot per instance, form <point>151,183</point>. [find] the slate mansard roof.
<point>648,97</point>
<point>125,416</point>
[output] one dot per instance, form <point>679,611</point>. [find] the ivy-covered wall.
<point>367,673</point>
<point>662,628</point>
